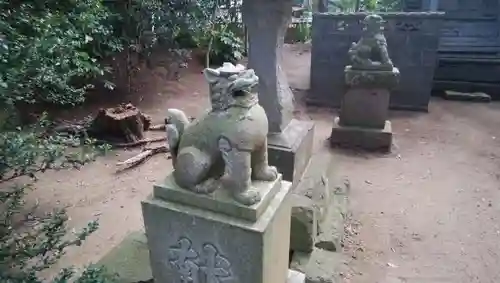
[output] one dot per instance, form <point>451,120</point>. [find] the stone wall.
<point>413,39</point>
<point>469,51</point>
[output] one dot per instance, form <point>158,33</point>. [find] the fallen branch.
<point>141,157</point>
<point>137,143</point>
<point>159,127</point>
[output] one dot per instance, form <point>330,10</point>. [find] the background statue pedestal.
<point>365,108</point>
<point>205,243</point>
<point>290,151</point>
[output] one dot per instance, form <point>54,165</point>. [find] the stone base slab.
<point>364,138</point>
<point>187,242</point>
<point>290,151</point>
<point>221,200</point>
<point>463,96</point>
<point>129,262</point>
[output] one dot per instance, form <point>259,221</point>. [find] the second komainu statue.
<point>227,147</point>
<point>370,52</point>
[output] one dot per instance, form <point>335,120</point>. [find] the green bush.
<point>29,242</point>
<point>50,49</point>
<point>49,52</point>
<point>226,45</point>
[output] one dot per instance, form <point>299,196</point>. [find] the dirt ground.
<point>428,212</point>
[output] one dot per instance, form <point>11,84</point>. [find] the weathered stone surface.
<point>295,277</point>
<point>463,96</point>
<point>299,261</point>
<point>331,230</point>
<point>363,138</point>
<point>320,266</point>
<point>129,260</point>
<point>291,150</point>
<point>226,147</point>
<point>312,202</point>
<point>371,78</point>
<point>304,224</point>
<point>364,107</point>
<point>201,240</point>
<point>220,200</point>
<point>267,22</point>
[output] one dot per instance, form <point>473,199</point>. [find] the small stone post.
<point>290,141</point>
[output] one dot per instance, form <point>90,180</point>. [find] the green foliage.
<point>50,49</point>
<point>226,47</point>
<point>30,241</point>
<point>368,5</point>
<point>215,30</point>
<point>222,43</point>
<point>304,31</point>
<point>389,5</point>
<point>146,24</point>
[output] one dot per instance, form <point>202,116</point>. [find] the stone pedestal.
<point>290,151</point>
<point>211,238</point>
<point>128,262</point>
<point>365,108</point>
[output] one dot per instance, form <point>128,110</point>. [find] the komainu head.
<point>230,84</point>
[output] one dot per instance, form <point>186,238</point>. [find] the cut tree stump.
<point>124,123</point>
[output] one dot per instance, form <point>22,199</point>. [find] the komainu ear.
<point>211,75</point>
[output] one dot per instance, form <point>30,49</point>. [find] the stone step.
<point>471,97</point>
<point>331,230</point>
<point>310,203</point>
<point>319,206</point>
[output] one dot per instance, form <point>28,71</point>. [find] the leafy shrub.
<point>226,45</point>
<point>50,49</point>
<point>30,243</point>
<point>50,52</point>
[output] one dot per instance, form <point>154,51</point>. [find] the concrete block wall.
<point>413,40</point>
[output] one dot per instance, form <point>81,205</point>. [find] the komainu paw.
<point>268,173</point>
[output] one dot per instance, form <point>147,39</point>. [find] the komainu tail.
<point>175,123</point>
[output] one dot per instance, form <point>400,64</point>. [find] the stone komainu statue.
<point>230,141</point>
<point>370,52</point>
